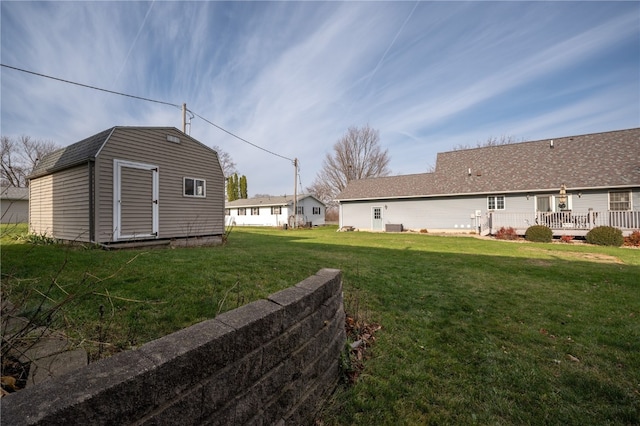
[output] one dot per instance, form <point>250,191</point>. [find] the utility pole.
<point>184,118</point>
<point>295,192</point>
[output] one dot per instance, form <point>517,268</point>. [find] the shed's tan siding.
<point>178,216</point>
<point>59,204</point>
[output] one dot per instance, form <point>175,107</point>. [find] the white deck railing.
<point>568,220</point>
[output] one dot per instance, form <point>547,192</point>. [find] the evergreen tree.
<point>243,187</point>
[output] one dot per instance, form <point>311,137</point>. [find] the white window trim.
<point>184,187</point>
<point>620,191</point>
<point>495,197</point>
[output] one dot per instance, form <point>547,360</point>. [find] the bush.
<point>506,234</point>
<point>566,239</point>
<point>539,234</point>
<point>605,236</point>
<point>633,240</point>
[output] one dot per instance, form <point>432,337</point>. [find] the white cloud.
<point>293,76</point>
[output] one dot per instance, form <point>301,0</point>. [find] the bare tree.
<point>357,155</point>
<point>490,141</point>
<point>227,163</point>
<point>20,156</point>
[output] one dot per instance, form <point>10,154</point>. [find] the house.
<point>129,184</point>
<point>15,204</point>
<point>570,184</point>
<point>275,211</point>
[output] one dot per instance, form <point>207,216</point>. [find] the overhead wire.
<point>90,87</point>
<point>149,100</point>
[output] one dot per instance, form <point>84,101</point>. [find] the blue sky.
<point>292,77</point>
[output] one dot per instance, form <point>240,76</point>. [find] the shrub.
<point>566,238</point>
<point>539,234</point>
<point>633,240</point>
<point>605,236</point>
<point>506,234</point>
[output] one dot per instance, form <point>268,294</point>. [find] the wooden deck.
<point>573,223</point>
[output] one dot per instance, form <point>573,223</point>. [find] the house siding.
<point>178,216</point>
<point>59,205</point>
<point>265,218</point>
<point>307,216</point>
<point>454,214</point>
<point>14,210</point>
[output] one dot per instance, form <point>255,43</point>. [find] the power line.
<point>238,137</point>
<point>90,87</point>
<point>148,100</point>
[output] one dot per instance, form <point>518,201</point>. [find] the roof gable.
<point>88,149</point>
<point>610,159</point>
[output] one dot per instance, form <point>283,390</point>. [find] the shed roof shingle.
<point>71,155</point>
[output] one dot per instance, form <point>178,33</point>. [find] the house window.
<point>495,202</point>
<point>276,210</point>
<point>255,211</point>
<point>620,200</point>
<point>316,210</point>
<point>242,211</point>
<point>227,212</point>
<point>194,187</point>
<point>300,209</point>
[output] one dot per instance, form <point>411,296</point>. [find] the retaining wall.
<point>270,362</point>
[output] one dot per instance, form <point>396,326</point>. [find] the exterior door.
<point>135,198</point>
<point>376,218</point>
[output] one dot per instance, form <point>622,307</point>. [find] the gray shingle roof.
<point>610,159</point>
<point>71,155</point>
<point>13,193</point>
<point>266,201</point>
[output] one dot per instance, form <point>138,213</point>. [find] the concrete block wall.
<point>269,362</point>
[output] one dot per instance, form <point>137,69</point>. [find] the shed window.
<point>276,210</point>
<point>620,200</point>
<point>316,210</point>
<point>242,211</point>
<point>300,209</point>
<point>495,202</point>
<point>194,187</point>
<point>255,211</point>
<point>227,212</point>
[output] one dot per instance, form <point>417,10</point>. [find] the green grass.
<point>473,331</point>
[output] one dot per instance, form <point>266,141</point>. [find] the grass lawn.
<point>473,331</point>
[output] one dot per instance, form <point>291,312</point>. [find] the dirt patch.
<point>575,255</point>
<point>592,257</point>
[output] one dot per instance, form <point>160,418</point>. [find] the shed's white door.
<point>376,219</point>
<point>135,200</point>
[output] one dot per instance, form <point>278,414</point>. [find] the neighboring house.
<point>129,184</point>
<point>275,211</point>
<point>570,184</point>
<point>15,204</point>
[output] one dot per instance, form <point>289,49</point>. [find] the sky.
<point>292,76</point>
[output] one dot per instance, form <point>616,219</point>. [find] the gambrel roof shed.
<point>598,160</point>
<point>129,184</point>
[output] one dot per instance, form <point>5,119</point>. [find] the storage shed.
<point>129,184</point>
